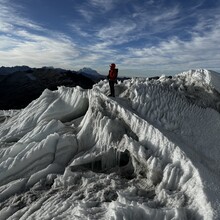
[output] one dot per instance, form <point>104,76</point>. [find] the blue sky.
<point>141,37</point>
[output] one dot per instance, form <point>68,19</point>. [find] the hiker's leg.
<point>112,89</point>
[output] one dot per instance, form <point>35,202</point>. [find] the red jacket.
<point>113,74</point>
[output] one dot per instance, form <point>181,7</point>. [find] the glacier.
<point>152,152</point>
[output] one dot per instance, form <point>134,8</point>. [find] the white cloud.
<point>118,32</point>
<point>92,8</point>
<point>87,14</point>
<point>23,41</point>
<point>200,51</point>
<point>20,44</point>
<point>10,18</point>
<point>165,15</point>
<point>103,4</point>
<point>77,29</point>
<point>37,51</point>
<point>143,23</point>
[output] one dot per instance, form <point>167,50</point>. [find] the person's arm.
<point>116,78</point>
<point>116,71</point>
<point>108,74</point>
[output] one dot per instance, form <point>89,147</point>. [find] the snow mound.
<point>152,152</point>
<point>203,76</point>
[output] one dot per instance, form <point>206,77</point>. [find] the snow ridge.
<point>151,152</point>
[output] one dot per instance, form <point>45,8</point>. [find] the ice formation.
<point>152,152</point>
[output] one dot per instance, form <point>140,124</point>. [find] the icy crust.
<point>202,76</point>
<point>150,153</point>
<point>201,87</point>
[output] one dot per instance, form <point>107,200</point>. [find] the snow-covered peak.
<point>152,153</point>
<point>89,71</point>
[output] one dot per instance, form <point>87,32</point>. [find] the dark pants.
<point>112,88</point>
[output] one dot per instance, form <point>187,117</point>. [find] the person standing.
<point>112,77</point>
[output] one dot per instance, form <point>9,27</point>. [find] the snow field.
<point>151,152</point>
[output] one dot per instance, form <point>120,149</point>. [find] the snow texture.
<point>152,152</point>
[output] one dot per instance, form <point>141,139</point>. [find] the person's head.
<point>112,66</point>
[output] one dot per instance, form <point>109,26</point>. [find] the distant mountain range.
<point>8,70</point>
<point>84,71</point>
<point>20,85</point>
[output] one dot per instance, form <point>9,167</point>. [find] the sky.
<point>142,36</point>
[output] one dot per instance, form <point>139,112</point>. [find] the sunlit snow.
<point>152,152</point>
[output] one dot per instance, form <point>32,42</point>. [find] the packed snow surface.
<point>152,152</point>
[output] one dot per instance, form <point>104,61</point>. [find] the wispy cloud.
<point>86,14</point>
<point>20,44</point>
<point>199,52</point>
<point>137,21</point>
<point>118,32</point>
<point>199,49</point>
<point>140,34</point>
<point>10,18</point>
<point>36,50</point>
<point>105,5</point>
<point>78,30</point>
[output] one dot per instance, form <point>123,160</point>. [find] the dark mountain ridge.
<point>19,88</point>
<point>8,70</point>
